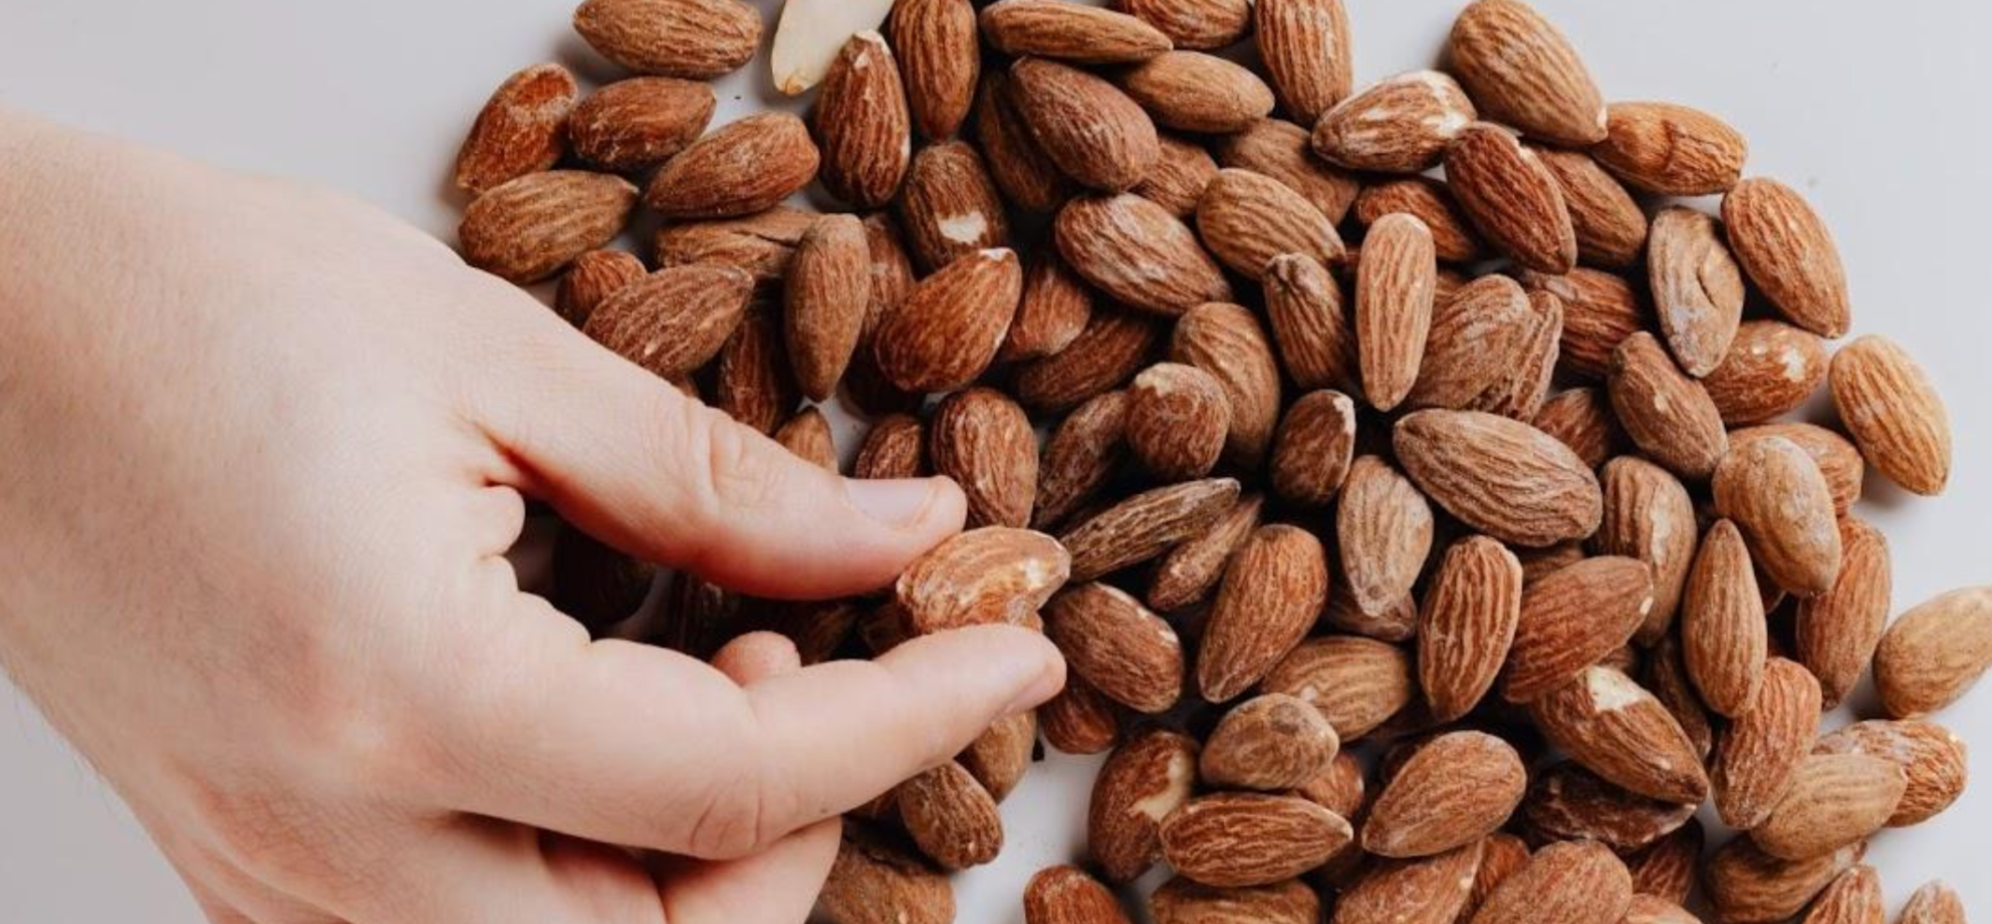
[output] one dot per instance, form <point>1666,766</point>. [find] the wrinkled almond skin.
<point>1272,592</point>
<point>1400,125</point>
<point>863,125</point>
<point>1246,219</point>
<point>1756,755</point>
<point>894,447</point>
<point>1568,802</point>
<point>1455,790</point>
<point>807,436</point>
<point>593,277</point>
<point>1246,839</point>
<point>1572,882</point>
<point>1284,151</point>
<point>947,331</point>
<point>1179,178</point>
<point>1501,856</point>
<point>1203,25</point>
<point>1724,637</point>
<point>747,167</point>
<point>1383,527</point>
<point>1314,449</point>
<point>1778,496</point>
<point>952,819</point>
<point>1080,720</point>
<point>876,881</point>
<point>1933,903</point>
<point>1115,345</point>
<point>1126,652</point>
<point>1835,800</point>
<point>761,245</point>
<point>1228,342</point>
<point>1271,743</point>
<point>1178,417</point>
<point>1611,227</point>
<point>1697,289</point>
<point>1618,730</point>
<point>522,129</point>
<point>1771,370</point>
<point>1191,571</point>
<point>1600,310</point>
<point>1477,338</point>
<point>992,575</point>
<point>1191,91</point>
<point>983,441</point>
<point>1310,324</point>
<point>1932,759</point>
<point>1670,868</point>
<point>1935,653</point>
<point>1649,516</point>
<point>1748,886</point>
<point>1141,527</point>
<point>950,208</point>
<point>674,320</point>
<point>941,57</point>
<point>1671,150</point>
<point>1571,619</point>
<point>1070,32</point>
<point>1523,72</point>
<point>1853,897</point>
<point>1427,890</point>
<point>1358,683</point>
<point>640,122</point>
<point>1500,476</point>
<point>1082,453</point>
<point>1894,412</point>
<point>1067,895</point>
<point>692,39</point>
<point>530,228</point>
<point>1016,162</point>
<point>1838,459</point>
<point>1668,414</point>
<point>825,297</point>
<point>753,383</point>
<point>1512,198</point>
<point>1304,46</point>
<point>1092,130</point>
<point>1138,253</point>
<point>1395,289</point>
<point>1181,901</point>
<point>1836,633</point>
<point>1468,622</point>
<point>1054,311</point>
<point>1453,238</point>
<point>1789,254</point>
<point>1142,783</point>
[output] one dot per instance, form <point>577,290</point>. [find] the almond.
<point>1196,92</point>
<point>1180,901</point>
<point>1570,803</point>
<point>1126,652</point>
<point>940,54</point>
<point>875,881</point>
<point>1523,72</point>
<point>1179,178</point>
<point>1094,132</point>
<point>1697,288</point>
<point>593,277</point>
<point>983,441</point>
<point>1272,591</point>
<point>992,575</point>
<point>1789,254</point>
<point>1453,237</point>
<point>1079,720</point>
<point>827,291</point>
<point>641,122</point>
<point>1932,759</point>
<point>1837,458</point>
<point>693,39</point>
<point>530,228</point>
<point>950,207</point>
<point>1249,839</point>
<point>1571,619</point>
<point>1247,219</point>
<point>1853,897</point>
<point>1339,788</point>
<point>1080,456</point>
<point>1021,169</point>
<point>1574,882</point>
<point>1070,32</point>
<point>1428,890</point>
<point>1500,476</point>
<point>1054,311</point>
<point>1894,412</point>
<point>952,819</point>
<point>1401,125</point>
<point>1226,341</point>
<point>1136,252</point>
<point>1523,390</point>
<point>1837,632</point>
<point>1671,150</point>
<point>761,245</point>
<point>1394,295</point>
<point>1066,895</point>
<point>752,382</point>
<point>1618,730</point>
<point>1933,903</point>
<point>863,124</point>
<point>1935,653</point>
<point>1748,886</point>
<point>1141,527</point>
<point>1835,800</point>
<point>1649,516</point>
<point>1477,337</point>
<point>746,167</point>
<point>1502,856</point>
<point>1611,228</point>
<point>1115,345</point>
<point>674,320</point>
<point>1758,753</point>
<point>1777,495</point>
<point>1772,369</point>
<point>1357,683</point>
<point>1271,743</point>
<point>1304,45</point>
<point>1724,638</point>
<point>1455,790</point>
<point>1283,151</point>
<point>1310,324</point>
<point>522,129</point>
<point>1600,310</point>
<point>949,328</point>
<point>1383,527</point>
<point>1669,868</point>
<point>1204,25</point>
<point>1191,570</point>
<point>1471,609</point>
<point>1395,623</point>
<point>1177,420</point>
<point>1143,782</point>
<point>807,436</point>
<point>1512,198</point>
<point>1648,909</point>
<point>1314,449</point>
<point>1669,415</point>
<point>894,447</point>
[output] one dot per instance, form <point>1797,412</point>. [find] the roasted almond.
<point>993,575</point>
<point>1357,683</point>
<point>530,228</point>
<point>876,881</point>
<point>1080,719</point>
<point>761,245</point>
<point>1283,151</point>
<point>1314,449</point>
<point>1116,344</point>
<point>1401,125</point>
<point>1932,759</point>
<point>952,819</point>
<point>950,207</point>
<point>1835,800</point>
<point>1569,803</point>
<point>1310,324</point>
<point>593,277</point>
<point>1092,130</point>
<point>1668,414</point>
<point>1067,895</point>
<point>746,167</point>
<point>641,122</point>
<point>1611,228</point>
<point>1477,337</point>
<point>1141,527</point>
<point>1181,901</point>
<point>983,441</point>
<point>1759,751</point>
<point>1226,341</point>
<point>1054,311</point>
<point>1836,633</point>
<point>1427,890</point>
<point>1671,150</point>
<point>1895,414</point>
<point>1837,458</point>
<point>826,294</point>
<point>1195,92</point>
<point>1453,237</point>
<point>1080,456</point>
<point>940,54</point>
<point>1468,622</point>
<point>1247,219</point>
<point>894,447</point>
<point>1249,839</point>
<point>1270,743</point>
<point>1393,307</point>
<point>1572,882</point>
<point>1070,32</point>
<point>1617,729</point>
<point>1522,71</point>
<point>1571,619</point>
<point>947,331</point>
<point>1772,369</point>
<point>1304,45</point>
<point>1777,495</point>
<point>674,320</point>
<point>1724,637</point>
<point>693,39</point>
<point>1935,653</point>
<point>522,129</point>
<point>1272,591</point>
<point>1021,169</point>
<point>1179,177</point>
<point>1178,417</point>
<point>1600,310</point>
<point>1853,897</point>
<point>1512,198</point>
<point>807,436</point>
<point>1748,886</point>
<point>1383,528</point>
<point>1697,288</point>
<point>1789,254</point>
<point>1141,783</point>
<point>1138,253</point>
<point>1455,790</point>
<point>1190,572</point>
<point>1500,476</point>
<point>863,125</point>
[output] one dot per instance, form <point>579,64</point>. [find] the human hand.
<point>268,449</point>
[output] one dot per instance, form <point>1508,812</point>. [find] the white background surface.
<point>1876,111</point>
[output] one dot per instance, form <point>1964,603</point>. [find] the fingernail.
<point>1049,681</point>
<point>898,504</point>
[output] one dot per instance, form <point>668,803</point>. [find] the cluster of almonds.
<point>1482,469</point>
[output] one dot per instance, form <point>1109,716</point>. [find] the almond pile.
<point>1422,421</point>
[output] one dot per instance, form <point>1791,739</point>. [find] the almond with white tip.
<point>1931,756</point>
<point>1141,783</point>
<point>1616,728</point>
<point>947,331</point>
<point>1456,789</point>
<point>1401,125</point>
<point>1697,288</point>
<point>862,124</point>
<point>1572,619</point>
<point>993,575</point>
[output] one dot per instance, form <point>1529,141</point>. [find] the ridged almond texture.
<point>1180,901</point>
<point>1247,839</point>
<point>1573,882</point>
<point>674,320</point>
<point>1395,289</point>
<point>1745,885</point>
<point>1455,790</point>
<point>640,122</point>
<point>528,229</point>
<point>592,279</point>
<point>1724,636</point>
<point>1760,750</point>
<point>761,245</point>
<point>1836,633</point>
<point>1028,178</point>
<point>1670,868</point>
<point>894,447</point>
<point>1247,219</point>
<point>1777,495</point>
<point>1228,342</point>
<point>1383,529</point>
<point>1477,337</point>
<point>1054,311</point>
<point>1179,178</point>
<point>1190,572</point>
<point>1116,344</point>
<point>1304,46</point>
<point>747,167</point>
<point>1835,800</point>
<point>952,819</point>
<point>1082,453</point>
<point>1568,803</point>
<point>1772,369</point>
<point>1091,129</point>
<point>1853,897</point>
<point>863,125</point>
<point>950,207</point>
<point>1067,895</point>
<point>876,881</point>
<point>1935,653</point>
<point>1523,390</point>
<point>1600,310</point>
<point>1401,125</point>
<point>1177,421</point>
<point>752,382</point>
<point>1649,516</point>
<point>1358,683</point>
<point>1270,743</point>
<point>693,39</point>
<point>1571,619</point>
<point>940,54</point>
<point>1668,414</point>
<point>522,129</point>
<point>1070,32</point>
<point>1500,476</point>
<point>983,441</point>
<point>807,435</point>
<point>1139,785</point>
<point>1127,652</point>
<point>1310,323</point>
<point>1789,254</point>
<point>826,295</point>
<point>993,575</point>
<point>1190,91</point>
<point>1272,592</point>
<point>1428,890</point>
<point>1697,288</point>
<point>1618,730</point>
<point>1204,25</point>
<point>949,328</point>
<point>1512,198</point>
<point>1453,238</point>
<point>1284,151</point>
<point>1894,413</point>
<point>1611,227</point>
<point>1314,449</point>
<point>1931,756</point>
<point>1671,150</point>
<point>1080,720</point>
<point>1471,609</point>
<point>1933,903</point>
<point>1838,459</point>
<point>1135,251</point>
<point>1523,72</point>
<point>1143,526</point>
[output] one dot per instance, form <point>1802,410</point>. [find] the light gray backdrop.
<point>1876,111</point>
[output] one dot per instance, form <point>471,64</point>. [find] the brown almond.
<point>1427,890</point>
<point>1933,903</point>
<point>1838,459</point>
<point>1400,125</point>
<point>876,881</point>
<point>1789,254</point>
<point>1617,729</point>
<point>1179,178</point>
<point>826,294</point>
<point>641,122</point>
<point>1181,901</point>
<point>1570,803</point>
<point>1573,882</point>
<point>992,575</point>
<point>761,245</point>
<point>593,277</point>
<point>1453,237</point>
<point>1724,638</point>
<point>1067,895</point>
<point>1250,839</point>
<point>894,447</point>
<point>1666,413</point>
<point>952,819</point>
<point>1054,311</point>
<point>1777,495</point>
<point>1080,720</point>
<point>1477,337</point>
<point>1393,307</point>
<point>1772,369</point>
<point>1272,592</point>
<point>752,381</point>
<point>1092,130</point>
<point>1455,790</point>
<point>807,436</point>
<point>1835,800</point>
<point>947,331</point>
<point>1247,219</point>
<point>1932,759</point>
<point>530,228</point>
<point>1500,476</point>
<point>1837,632</point>
<point>1581,418</point>
<point>1756,755</point>
<point>983,441</point>
<point>1304,45</point>
<point>940,53</point>
<point>1021,169</point>
<point>1178,417</point>
<point>1126,652</point>
<point>1853,897</point>
<point>1935,653</point>
<point>950,207</point>
<point>1116,344</point>
<point>1671,150</point>
<point>1195,92</point>
<point>1522,71</point>
<point>1070,32</point>
<point>1670,868</point>
<point>1138,253</point>
<point>1571,619</point>
<point>1143,782</point>
<point>1893,411</point>
<point>1284,151</point>
<point>1226,341</point>
<point>1512,198</point>
<point>1204,25</point>
<point>1357,683</point>
<point>1081,455</point>
<point>1524,389</point>
<point>1649,909</point>
<point>1697,288</point>
<point>1314,449</point>
<point>1468,622</point>
<point>1270,743</point>
<point>674,320</point>
<point>1600,310</point>
<point>747,167</point>
<point>1310,324</point>
<point>1141,527</point>
<point>1191,570</point>
<point>522,129</point>
<point>862,123</point>
<point>1649,516</point>
<point>1611,227</point>
<point>692,39</point>
<point>1748,886</point>
<point>1383,528</point>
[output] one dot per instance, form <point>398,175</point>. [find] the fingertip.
<point>917,506</point>
<point>1013,669</point>
<point>757,656</point>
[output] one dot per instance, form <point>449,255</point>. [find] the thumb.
<point>634,462</point>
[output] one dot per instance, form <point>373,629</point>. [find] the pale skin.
<point>266,449</point>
